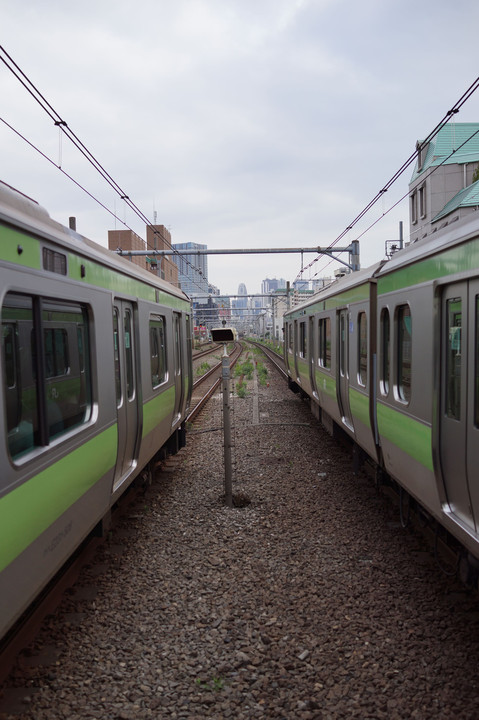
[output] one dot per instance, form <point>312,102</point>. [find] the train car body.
<point>390,355</point>
<point>96,379</point>
<point>329,346</point>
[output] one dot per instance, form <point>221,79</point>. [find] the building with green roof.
<point>441,189</point>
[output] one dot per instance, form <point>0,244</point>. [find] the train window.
<point>302,340</point>
<point>116,351</point>
<point>343,344</point>
<point>37,412</point>
<point>81,347</point>
<point>56,352</point>
<point>324,329</point>
<point>128,339</point>
<point>54,261</point>
<point>362,349</point>
<point>290,337</point>
<point>9,354</point>
<point>404,348</point>
<point>157,350</point>
<point>453,359</point>
<point>476,367</point>
<point>385,348</point>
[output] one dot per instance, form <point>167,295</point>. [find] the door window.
<point>384,346</point>
<point>128,339</point>
<point>453,358</point>
<point>362,348</point>
<point>116,350</point>
<point>404,345</point>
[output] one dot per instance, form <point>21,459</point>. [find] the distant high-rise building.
<point>241,303</point>
<point>192,269</point>
<point>270,285</point>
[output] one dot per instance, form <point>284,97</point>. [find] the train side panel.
<point>332,356</point>
<point>69,370</point>
<point>405,389</point>
<point>428,422</point>
<point>56,488</point>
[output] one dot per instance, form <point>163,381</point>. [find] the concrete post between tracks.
<point>225,367</point>
<point>226,335</point>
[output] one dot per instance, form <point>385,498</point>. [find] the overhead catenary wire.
<point>430,172</point>
<point>64,128</point>
<point>449,114</point>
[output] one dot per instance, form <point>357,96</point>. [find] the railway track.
<point>207,384</point>
<point>202,353</point>
<point>274,358</point>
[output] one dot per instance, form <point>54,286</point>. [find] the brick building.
<point>157,238</point>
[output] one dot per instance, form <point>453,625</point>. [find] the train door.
<point>343,367</point>
<point>178,360</point>
<point>313,353</point>
<point>459,410</point>
<point>126,389</point>
<point>296,349</point>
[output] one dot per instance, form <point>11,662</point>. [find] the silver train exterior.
<point>96,379</point>
<point>390,355</point>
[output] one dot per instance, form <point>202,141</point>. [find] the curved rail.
<point>274,358</point>
<point>208,351</point>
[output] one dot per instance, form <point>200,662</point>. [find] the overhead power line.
<point>58,121</point>
<point>68,132</point>
<point>450,113</point>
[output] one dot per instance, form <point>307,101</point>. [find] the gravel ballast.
<point>309,602</point>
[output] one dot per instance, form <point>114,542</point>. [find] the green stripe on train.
<point>411,436</point>
<point>456,260</point>
<point>326,383</point>
<point>32,507</point>
<point>29,256</point>
<point>156,410</point>
<point>359,404</point>
<point>95,273</point>
<point>347,297</point>
<point>119,283</point>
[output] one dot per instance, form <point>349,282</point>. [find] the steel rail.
<point>234,356</point>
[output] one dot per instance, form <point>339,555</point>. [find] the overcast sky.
<point>241,123</point>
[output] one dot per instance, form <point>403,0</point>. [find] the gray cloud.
<point>243,123</point>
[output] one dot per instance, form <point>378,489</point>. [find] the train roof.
<point>453,233</point>
<point>342,285</point>
<point>22,211</point>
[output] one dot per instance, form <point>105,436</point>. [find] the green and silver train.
<point>96,382</point>
<point>390,355</point>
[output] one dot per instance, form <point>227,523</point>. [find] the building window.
<point>413,207</point>
<point>422,201</point>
